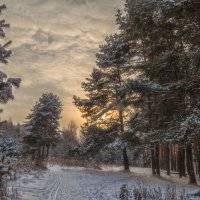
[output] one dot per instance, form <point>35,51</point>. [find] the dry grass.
<point>141,192</point>
<point>74,163</point>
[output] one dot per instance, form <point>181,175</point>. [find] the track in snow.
<point>55,188</point>
<point>76,184</point>
<point>81,184</point>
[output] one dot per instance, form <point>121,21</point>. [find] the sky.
<point>54,47</point>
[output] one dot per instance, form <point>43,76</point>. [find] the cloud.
<point>54,45</point>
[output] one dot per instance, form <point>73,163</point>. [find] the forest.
<point>141,107</point>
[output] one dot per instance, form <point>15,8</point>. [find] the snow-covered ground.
<point>65,183</point>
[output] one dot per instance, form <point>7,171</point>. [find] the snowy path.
<point>81,184</point>
<point>55,188</point>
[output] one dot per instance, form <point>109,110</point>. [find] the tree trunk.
<point>180,168</point>
<point>33,155</point>
<point>126,160</point>
<point>153,165</point>
<point>125,156</point>
<point>183,162</point>
<point>39,152</point>
<point>1,187</point>
<point>171,158</point>
<point>43,150</point>
<point>47,152</point>
<point>168,160</point>
<point>157,160</point>
<point>198,157</point>
<point>190,165</point>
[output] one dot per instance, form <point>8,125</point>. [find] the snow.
<point>70,183</point>
<point>9,145</point>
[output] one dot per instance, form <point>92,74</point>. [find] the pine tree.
<point>164,35</point>
<point>107,105</point>
<point>6,84</point>
<point>153,65</point>
<point>43,124</point>
<point>6,89</point>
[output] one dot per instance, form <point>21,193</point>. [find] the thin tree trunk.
<point>1,186</point>
<point>153,161</point>
<point>124,152</point>
<point>161,158</point>
<point>190,165</point>
<point>33,155</point>
<point>47,152</point>
<point>168,160</point>
<point>180,168</point>
<point>157,160</point>
<point>39,152</point>
<point>176,158</point>
<point>126,160</point>
<point>199,157</point>
<point>171,158</point>
<point>183,162</point>
<point>43,150</point>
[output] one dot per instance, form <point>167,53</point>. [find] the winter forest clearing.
<point>63,183</point>
<point>140,138</point>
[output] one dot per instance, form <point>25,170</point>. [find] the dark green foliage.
<point>150,69</point>
<point>163,35</point>
<point>43,124</point>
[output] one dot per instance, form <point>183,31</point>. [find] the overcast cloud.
<point>54,45</point>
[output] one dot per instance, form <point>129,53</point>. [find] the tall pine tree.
<point>6,90</point>
<point>165,34</point>
<point>107,104</point>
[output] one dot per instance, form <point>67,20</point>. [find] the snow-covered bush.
<point>10,148</point>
